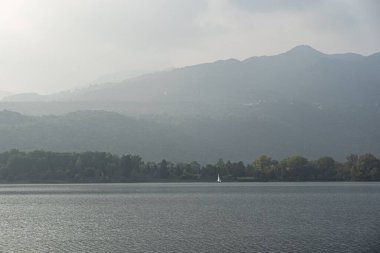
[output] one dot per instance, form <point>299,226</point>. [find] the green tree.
<point>364,167</point>
<point>297,168</point>
<point>129,164</point>
<point>237,169</point>
<point>209,172</point>
<point>266,168</point>
<point>164,171</point>
<point>325,168</point>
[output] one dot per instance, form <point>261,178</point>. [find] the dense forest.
<point>53,167</point>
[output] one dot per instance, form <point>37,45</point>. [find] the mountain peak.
<point>303,50</point>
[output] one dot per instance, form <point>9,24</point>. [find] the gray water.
<point>191,217</point>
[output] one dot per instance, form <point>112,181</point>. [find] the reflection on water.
<point>191,217</point>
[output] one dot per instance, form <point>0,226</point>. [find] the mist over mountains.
<point>299,102</point>
<point>4,94</point>
<point>302,74</point>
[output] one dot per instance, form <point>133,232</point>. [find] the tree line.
<point>44,166</point>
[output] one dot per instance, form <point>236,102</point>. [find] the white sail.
<point>218,180</point>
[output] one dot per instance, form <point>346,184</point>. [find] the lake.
<point>191,217</point>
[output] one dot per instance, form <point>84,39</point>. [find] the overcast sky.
<point>52,45</point>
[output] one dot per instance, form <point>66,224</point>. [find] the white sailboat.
<point>218,179</point>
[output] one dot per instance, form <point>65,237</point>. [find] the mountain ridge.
<point>166,85</point>
<point>277,130</point>
<point>300,102</point>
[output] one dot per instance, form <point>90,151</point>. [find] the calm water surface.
<point>191,217</point>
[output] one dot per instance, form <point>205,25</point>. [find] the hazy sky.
<point>52,45</point>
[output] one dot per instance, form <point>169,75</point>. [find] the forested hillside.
<point>300,102</point>
<point>277,131</point>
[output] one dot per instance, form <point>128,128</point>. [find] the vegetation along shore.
<point>91,167</point>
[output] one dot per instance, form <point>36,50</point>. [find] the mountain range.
<point>302,73</point>
<point>300,102</point>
